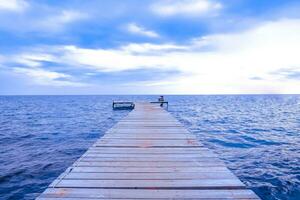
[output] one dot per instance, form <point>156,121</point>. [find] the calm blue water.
<point>257,136</point>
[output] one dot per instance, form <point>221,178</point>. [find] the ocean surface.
<point>258,136</point>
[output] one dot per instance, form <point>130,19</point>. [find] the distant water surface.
<point>258,136</point>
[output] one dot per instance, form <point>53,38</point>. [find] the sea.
<point>257,136</point>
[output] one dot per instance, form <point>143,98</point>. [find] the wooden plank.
<point>198,150</point>
<point>150,153</point>
<point>148,164</point>
<point>147,159</point>
<point>167,156</point>
<point>151,169</point>
<point>148,194</point>
<point>62,198</point>
<point>142,127</point>
<point>162,184</point>
<point>76,198</point>
<point>148,143</point>
<point>127,130</point>
<point>149,122</point>
<point>138,136</point>
<point>165,141</point>
<point>150,176</point>
<point>167,120</point>
<point>195,154</point>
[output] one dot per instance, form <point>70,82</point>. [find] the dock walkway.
<point>147,155</point>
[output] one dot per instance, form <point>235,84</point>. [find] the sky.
<point>149,47</point>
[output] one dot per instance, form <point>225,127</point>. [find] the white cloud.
<point>44,77</point>
<point>68,16</point>
<point>104,60</point>
<point>13,5</point>
<point>42,20</point>
<point>33,60</point>
<point>57,22</point>
<point>148,48</point>
<point>186,7</point>
<point>139,30</point>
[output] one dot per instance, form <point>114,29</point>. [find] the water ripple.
<point>258,136</point>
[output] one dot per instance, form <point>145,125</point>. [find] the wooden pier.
<point>147,155</point>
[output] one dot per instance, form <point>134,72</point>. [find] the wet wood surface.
<point>147,155</point>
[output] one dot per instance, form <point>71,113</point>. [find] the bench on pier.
<point>123,105</point>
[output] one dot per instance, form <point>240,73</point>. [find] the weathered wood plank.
<point>148,143</point>
<point>147,159</point>
<point>162,184</point>
<point>199,150</point>
<point>150,176</point>
<point>148,164</point>
<point>197,169</point>
<point>148,136</point>
<point>122,130</point>
<point>146,127</point>
<point>148,194</point>
<point>76,198</point>
<point>149,123</point>
<point>167,156</point>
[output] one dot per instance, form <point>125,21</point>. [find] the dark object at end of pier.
<point>161,103</point>
<point>123,105</point>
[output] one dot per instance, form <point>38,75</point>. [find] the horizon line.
<point>149,94</point>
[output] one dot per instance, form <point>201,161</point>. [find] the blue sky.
<point>149,47</point>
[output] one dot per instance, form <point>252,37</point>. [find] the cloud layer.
<point>187,8</point>
<point>166,46</point>
<point>136,29</point>
<point>13,5</point>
